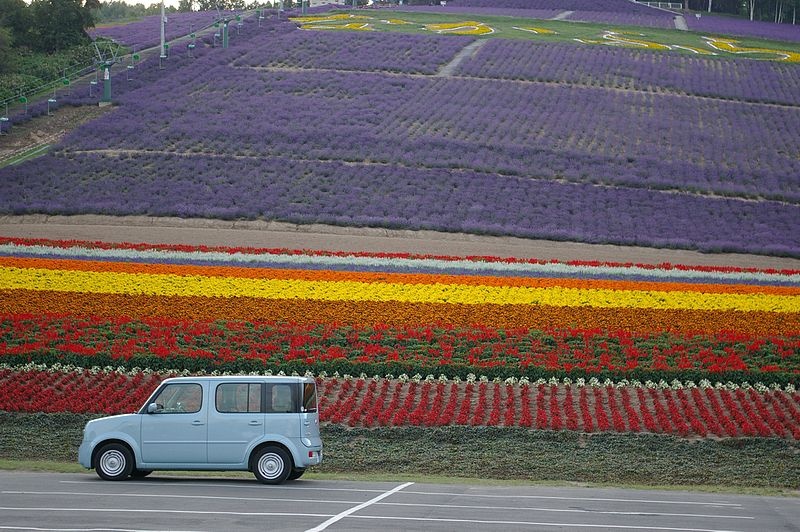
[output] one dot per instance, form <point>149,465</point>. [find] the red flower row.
<point>67,338</point>
<point>370,403</point>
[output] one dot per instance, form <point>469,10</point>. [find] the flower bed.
<point>147,32</point>
<point>742,79</point>
<point>685,410</point>
<point>234,345</point>
<point>581,346</point>
<point>610,11</point>
<point>244,309</point>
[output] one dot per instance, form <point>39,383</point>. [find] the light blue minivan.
<point>265,424</point>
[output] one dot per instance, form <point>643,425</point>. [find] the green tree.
<point>15,16</point>
<point>6,53</point>
<point>186,5</point>
<point>60,24</point>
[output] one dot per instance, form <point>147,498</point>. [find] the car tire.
<point>295,474</point>
<point>272,465</point>
<point>114,462</point>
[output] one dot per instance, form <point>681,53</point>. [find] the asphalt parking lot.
<point>52,501</point>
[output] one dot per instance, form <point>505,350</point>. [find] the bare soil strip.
<point>270,234</point>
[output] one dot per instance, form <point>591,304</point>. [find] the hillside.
<point>551,140</point>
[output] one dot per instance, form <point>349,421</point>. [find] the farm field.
<point>360,129</point>
<point>434,123</point>
<point>432,341</point>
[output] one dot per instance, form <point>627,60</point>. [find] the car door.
<point>175,429</point>
<point>236,420</point>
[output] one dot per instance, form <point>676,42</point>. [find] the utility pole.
<point>163,40</point>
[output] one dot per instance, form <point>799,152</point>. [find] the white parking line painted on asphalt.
<point>157,511</point>
<point>354,509</point>
<point>554,497</point>
<point>253,485</point>
<point>153,481</point>
<point>532,523</point>
<point>403,504</point>
<point>104,529</point>
<point>173,496</point>
<point>564,510</point>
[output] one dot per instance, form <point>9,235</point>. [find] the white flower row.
<point>403,263</point>
<point>662,384</point>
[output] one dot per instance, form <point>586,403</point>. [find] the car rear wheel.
<point>272,465</point>
<point>114,462</point>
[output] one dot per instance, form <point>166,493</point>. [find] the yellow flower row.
<point>468,27</point>
<point>227,287</point>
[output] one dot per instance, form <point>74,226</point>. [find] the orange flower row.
<point>398,313</point>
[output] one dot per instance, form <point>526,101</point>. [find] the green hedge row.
<point>488,452</point>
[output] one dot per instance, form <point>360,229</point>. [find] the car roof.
<point>240,378</point>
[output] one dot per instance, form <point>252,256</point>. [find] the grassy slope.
<point>565,31</point>
<point>487,453</point>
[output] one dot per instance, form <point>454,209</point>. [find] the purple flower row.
<point>581,134</point>
<point>356,195</point>
<point>606,66</point>
<point>653,18</point>
<point>393,52</point>
<point>147,32</point>
<point>148,70</point>
<point>720,25</point>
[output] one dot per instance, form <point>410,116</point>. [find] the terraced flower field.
<point>667,349</point>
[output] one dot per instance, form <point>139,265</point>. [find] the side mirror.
<point>153,408</point>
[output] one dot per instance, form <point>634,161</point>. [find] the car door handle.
<point>197,423</point>
<point>254,423</point>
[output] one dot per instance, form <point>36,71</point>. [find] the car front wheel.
<point>272,465</point>
<point>114,462</point>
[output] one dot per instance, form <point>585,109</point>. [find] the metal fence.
<point>25,94</point>
<point>663,5</point>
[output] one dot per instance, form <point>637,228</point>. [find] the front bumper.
<point>85,455</point>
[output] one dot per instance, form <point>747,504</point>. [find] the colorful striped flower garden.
<point>447,340</point>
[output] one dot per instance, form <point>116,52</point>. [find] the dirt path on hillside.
<point>45,129</point>
<point>324,237</point>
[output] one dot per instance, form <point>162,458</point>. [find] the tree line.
<point>765,10</point>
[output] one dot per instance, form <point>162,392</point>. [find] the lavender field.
<point>351,129</point>
<point>389,52</point>
<point>741,79</point>
<point>147,32</point>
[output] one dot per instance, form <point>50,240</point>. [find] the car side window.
<point>183,398</point>
<point>280,398</point>
<point>240,397</point>
<point>309,397</point>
